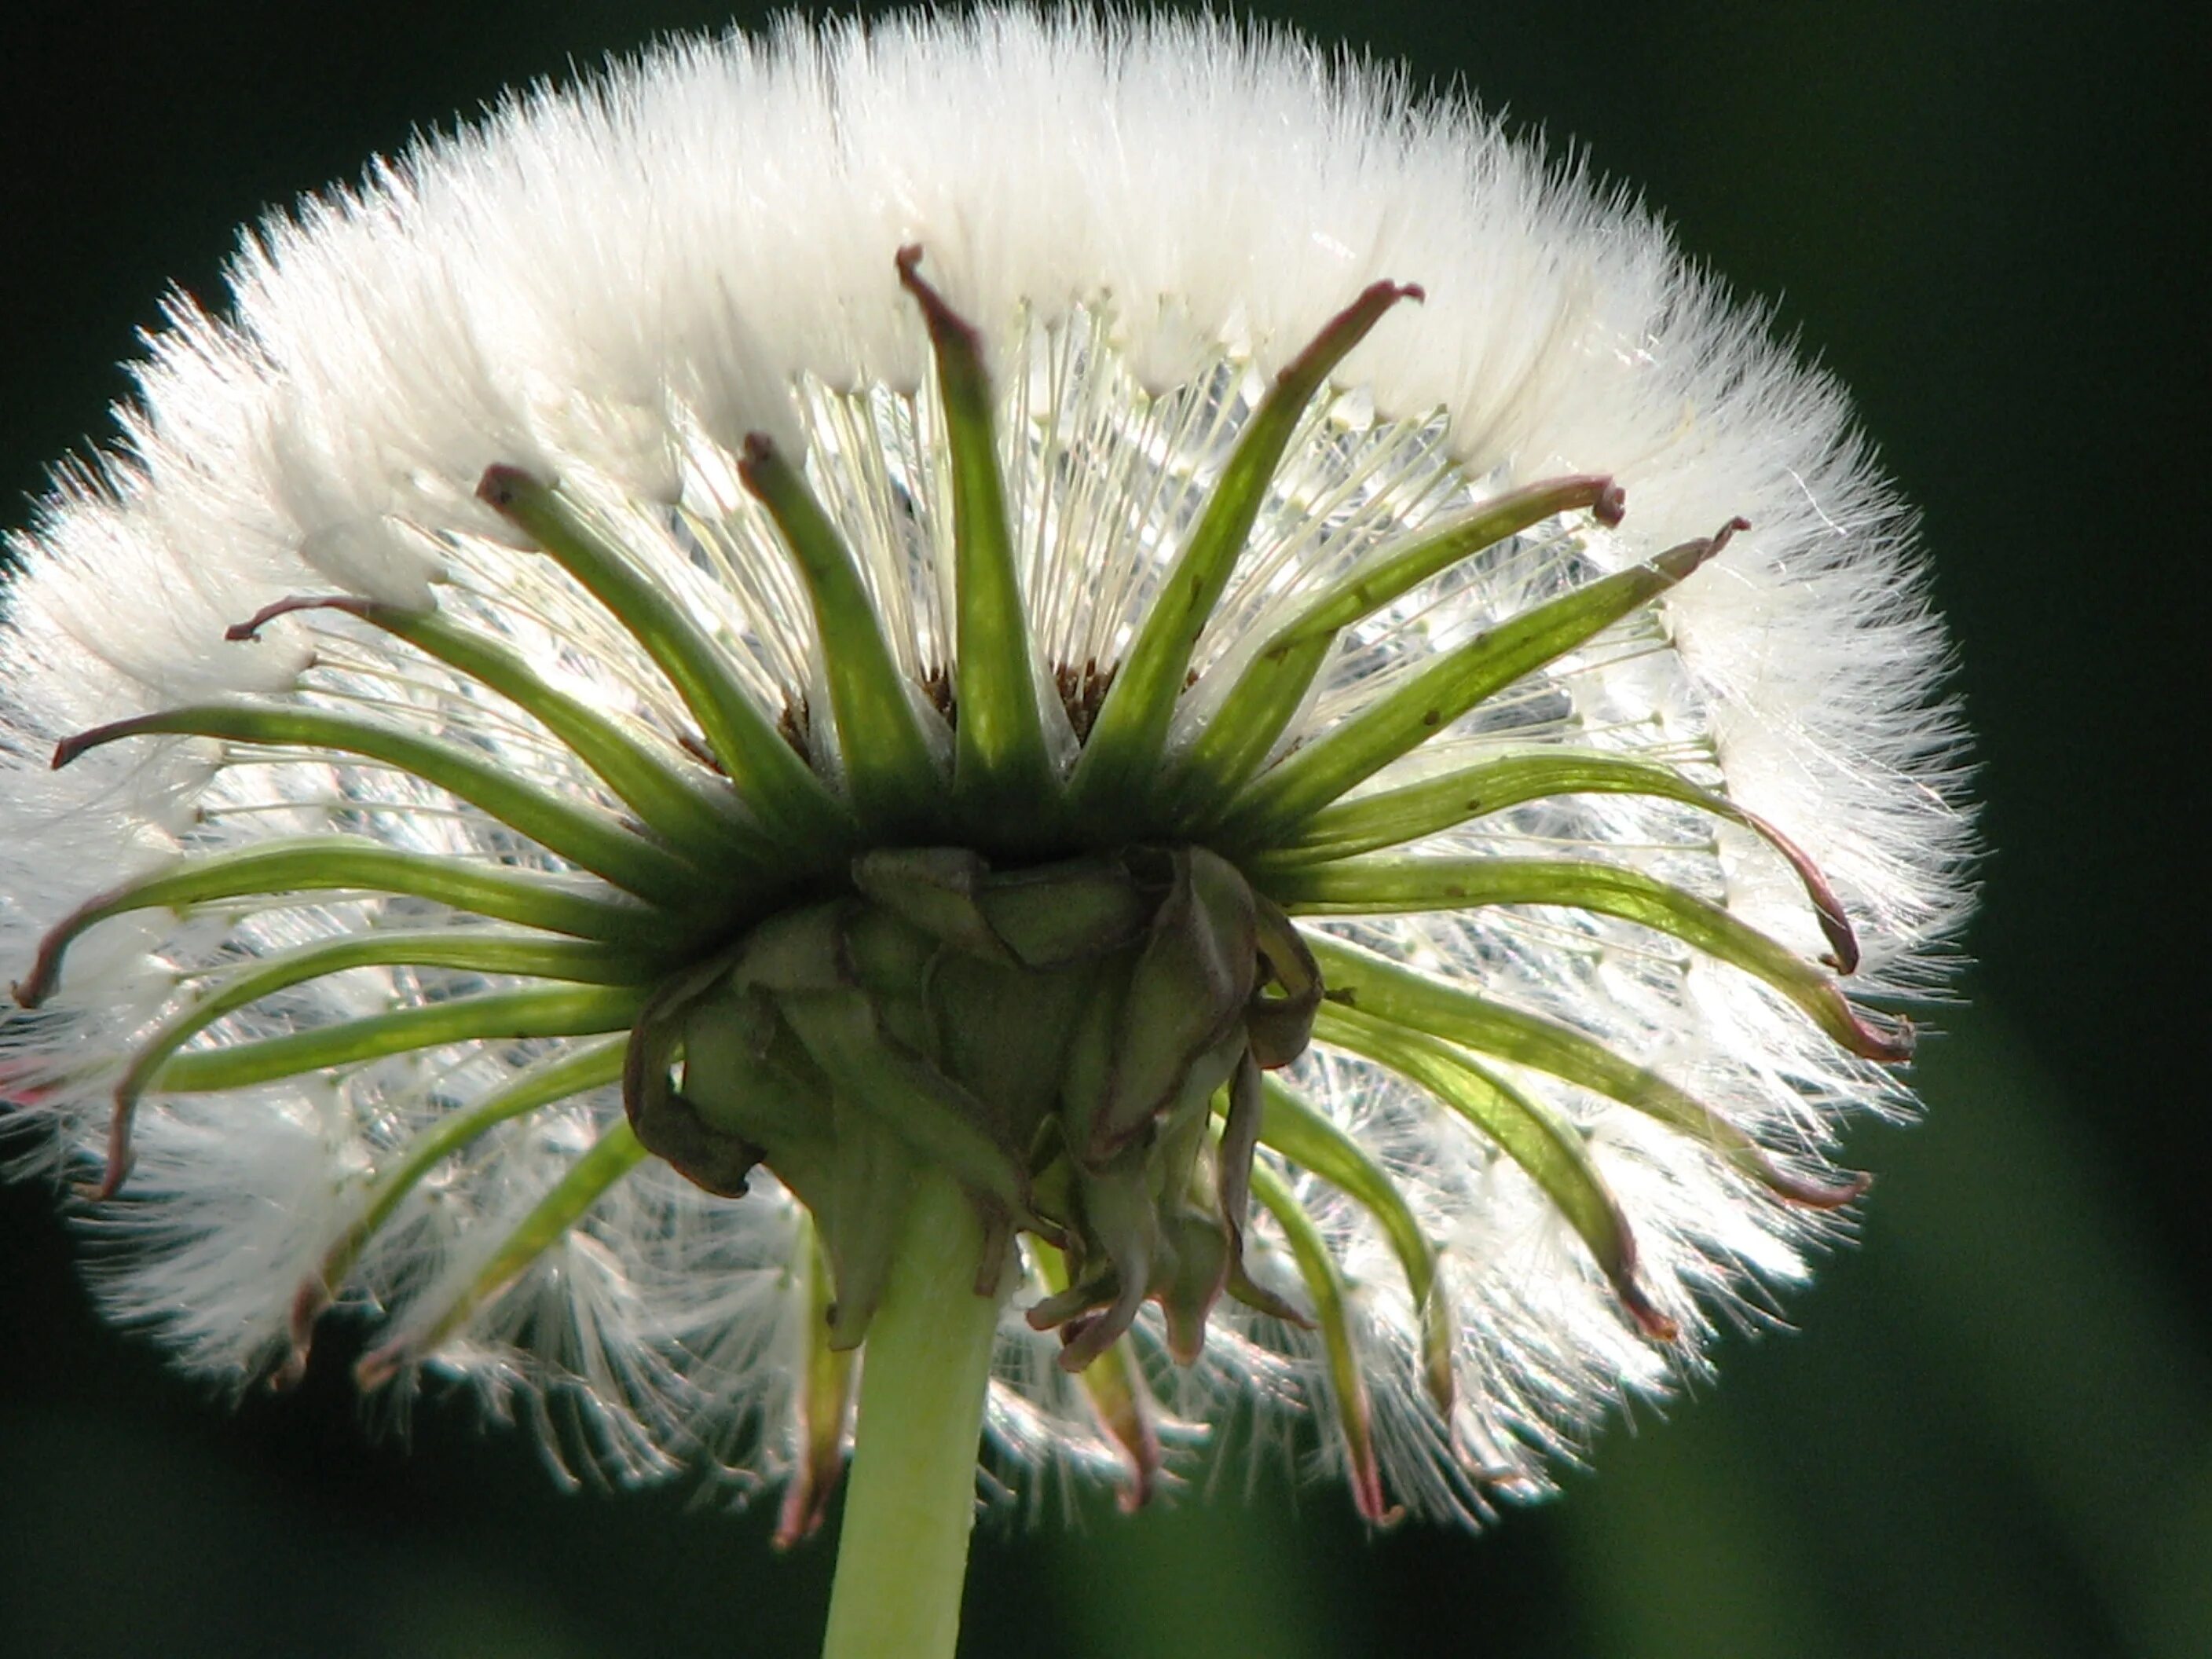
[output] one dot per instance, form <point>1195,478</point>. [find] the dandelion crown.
<point>1102,684</point>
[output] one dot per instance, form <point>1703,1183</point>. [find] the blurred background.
<point>1993,1434</point>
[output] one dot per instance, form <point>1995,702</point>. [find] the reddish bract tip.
<point>1819,1194</point>
<point>1654,1324</point>
<point>379,1366</point>
<point>1126,1418</point>
<point>1138,1486</point>
<point>308,1305</point>
<point>947,327</point>
<point>1827,908</point>
<point>69,748</point>
<point>756,453</point>
<point>1725,534</point>
<point>1871,1042</point>
<point>908,262</point>
<point>806,1504</point>
<point>1620,1274</point>
<point>118,1155</point>
<point>35,988</point>
<point>1678,563</point>
<point>1368,1496</point>
<point>250,630</point>
<point>1343,331</point>
<point>500,484</point>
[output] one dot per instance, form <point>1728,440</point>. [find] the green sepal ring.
<point>1053,1036</point>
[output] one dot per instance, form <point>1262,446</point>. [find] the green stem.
<point>902,1557</point>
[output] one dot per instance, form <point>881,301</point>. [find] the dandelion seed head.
<point>638,291</point>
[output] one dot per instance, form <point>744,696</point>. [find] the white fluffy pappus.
<point>614,287</point>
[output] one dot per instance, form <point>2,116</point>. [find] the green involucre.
<point>1324,1283</point>
<point>1317,1145</point>
<point>894,781</point>
<point>699,817</point>
<point>576,833</point>
<point>324,864</point>
<point>1392,817</point>
<point>1398,886</point>
<point>493,1016</point>
<point>1003,783</point>
<point>1387,992</point>
<point>1551,1151</point>
<point>1120,760</point>
<point>557,1078</point>
<point>586,1181</point>
<point>768,775</point>
<point>1273,806</point>
<point>1259,708</point>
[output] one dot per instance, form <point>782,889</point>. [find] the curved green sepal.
<point>612,1157</point>
<point>1278,1019</point>
<point>1232,1153</point>
<point>881,1079</point>
<point>1394,886</point>
<point>1004,782</point>
<point>702,821</point>
<point>1005,1036</point>
<point>747,1076</point>
<point>495,1016</point>
<point>767,773</point>
<point>1259,708</point>
<point>311,863</point>
<point>1187,994</point>
<point>575,833</point>
<point>1114,1386</point>
<point>1050,915</point>
<point>701,1134</point>
<point>1087,1073</point>
<point>1393,817</point>
<point>1124,1245</point>
<point>1274,806</point>
<point>1552,1151</point>
<point>1390,991</point>
<point>934,889</point>
<point>861,1209</point>
<point>1324,1283</point>
<point>1199,1254</point>
<point>463,950</point>
<point>797,951</point>
<point>1193,1273</point>
<point>1260,1300</point>
<point>823,1403</point>
<point>595,1065</point>
<point>889,772</point>
<point>1317,1145</point>
<point>1122,753</point>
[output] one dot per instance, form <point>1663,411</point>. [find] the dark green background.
<point>1995,1435</point>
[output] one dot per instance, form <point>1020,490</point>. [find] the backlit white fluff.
<point>612,286</point>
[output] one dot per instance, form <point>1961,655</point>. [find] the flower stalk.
<point>910,1497</point>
